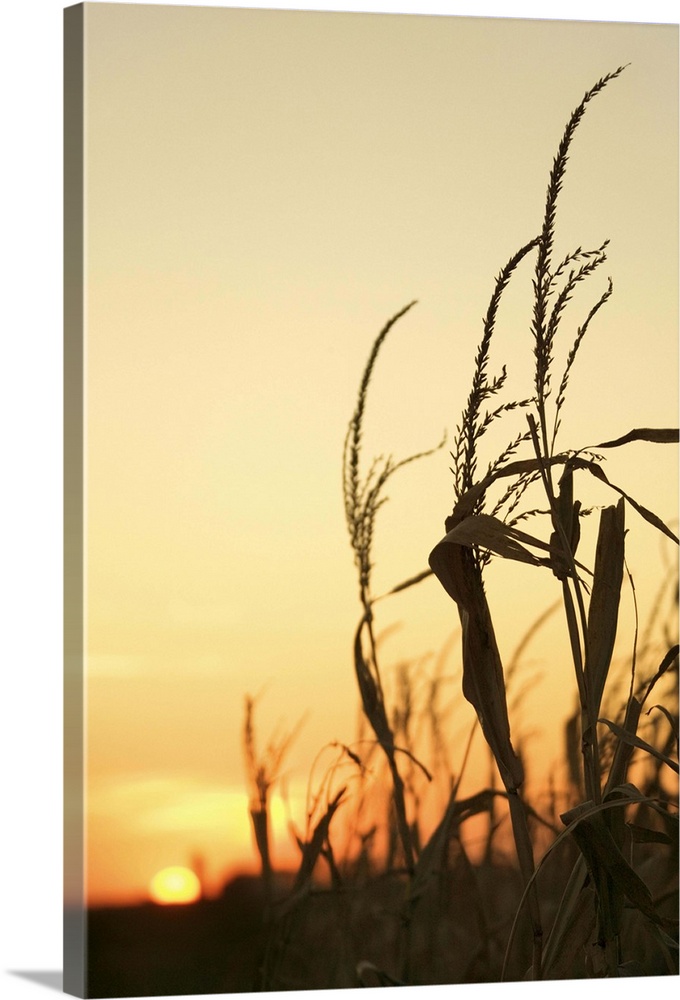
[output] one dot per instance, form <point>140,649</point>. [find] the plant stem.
<point>525,855</point>
<point>397,782</point>
<point>591,753</point>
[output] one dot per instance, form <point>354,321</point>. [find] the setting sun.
<point>175,885</point>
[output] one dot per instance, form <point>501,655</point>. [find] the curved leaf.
<point>483,680</point>
<point>466,504</point>
<point>432,856</point>
<point>656,435</point>
<point>586,811</point>
<point>648,515</point>
<point>573,924</point>
<point>668,660</point>
<point>605,861</point>
<point>635,741</point>
<point>371,694</point>
<point>624,751</point>
<point>311,851</point>
<point>504,540</point>
<point>672,720</point>
<point>603,613</point>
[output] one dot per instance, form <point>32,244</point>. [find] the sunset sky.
<point>264,189</point>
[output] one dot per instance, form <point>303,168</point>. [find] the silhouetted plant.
<point>473,537</point>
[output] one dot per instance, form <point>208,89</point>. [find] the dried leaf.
<point>668,947</point>
<point>487,532</point>
<point>633,794</point>
<point>448,566</point>
<point>312,849</point>
<point>418,578</point>
<point>371,697</point>
<point>471,498</point>
<point>635,741</point>
<point>568,514</point>
<point>483,681</point>
<point>573,924</point>
<point>643,835</point>
<point>606,863</point>
<point>648,515</point>
<point>431,860</point>
<point>603,613</point>
<point>668,660</point>
<point>624,751</point>
<point>657,435</point>
<point>672,720</point>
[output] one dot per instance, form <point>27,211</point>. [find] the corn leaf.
<point>633,794</point>
<point>643,835</point>
<point>489,533</point>
<point>668,660</point>
<point>449,567</point>
<point>573,924</point>
<point>371,696</point>
<point>624,751</point>
<point>632,968</point>
<point>432,858</point>
<point>504,540</point>
<point>603,613</point>
<point>312,849</point>
<point>635,741</point>
<point>568,515</point>
<point>668,947</point>
<point>648,515</point>
<point>606,863</point>
<point>484,688</point>
<point>411,582</point>
<point>672,720</point>
<point>466,504</point>
<point>656,435</point>
<point>483,681</point>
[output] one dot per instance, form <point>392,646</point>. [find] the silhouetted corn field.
<point>586,886</point>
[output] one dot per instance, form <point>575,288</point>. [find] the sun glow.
<point>174,885</point>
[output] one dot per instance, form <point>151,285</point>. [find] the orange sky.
<point>263,190</point>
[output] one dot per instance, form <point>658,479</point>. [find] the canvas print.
<point>371,500</point>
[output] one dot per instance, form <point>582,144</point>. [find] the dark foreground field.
<point>327,939</point>
<point>207,947</point>
<point>348,936</point>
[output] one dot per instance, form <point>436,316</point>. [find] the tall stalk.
<point>363,498</point>
<point>546,318</point>
<point>473,536</point>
